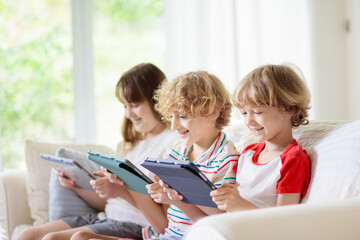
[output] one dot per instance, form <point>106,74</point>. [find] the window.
<point>36,93</point>
<point>125,33</point>
<point>36,71</point>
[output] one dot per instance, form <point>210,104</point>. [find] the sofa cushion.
<point>39,174</point>
<point>64,202</point>
<point>335,165</point>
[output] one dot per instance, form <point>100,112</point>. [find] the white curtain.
<point>201,35</point>
<point>231,37</point>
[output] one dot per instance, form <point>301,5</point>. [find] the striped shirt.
<point>218,163</point>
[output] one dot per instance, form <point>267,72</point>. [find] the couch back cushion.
<point>39,173</point>
<point>334,149</point>
<point>64,202</point>
<point>335,165</point>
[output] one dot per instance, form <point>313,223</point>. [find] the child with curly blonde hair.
<point>275,171</point>
<point>198,106</point>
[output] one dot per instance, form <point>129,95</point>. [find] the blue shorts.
<point>105,226</point>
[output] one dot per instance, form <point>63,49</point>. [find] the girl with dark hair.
<point>144,134</point>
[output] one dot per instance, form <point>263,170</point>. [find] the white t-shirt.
<point>260,184</point>
<point>121,210</point>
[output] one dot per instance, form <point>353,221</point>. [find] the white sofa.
<point>330,209</point>
<point>24,197</point>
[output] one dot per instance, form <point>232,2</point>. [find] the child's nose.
<point>174,123</point>
<point>249,118</point>
<point>128,112</point>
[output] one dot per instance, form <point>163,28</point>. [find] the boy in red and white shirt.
<point>275,171</point>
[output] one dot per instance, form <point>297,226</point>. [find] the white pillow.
<point>335,165</point>
<point>64,202</point>
<point>37,184</point>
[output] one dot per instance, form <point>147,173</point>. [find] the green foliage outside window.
<point>36,87</point>
<point>36,93</point>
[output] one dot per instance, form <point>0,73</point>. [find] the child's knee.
<point>81,235</point>
<point>28,234</point>
<point>52,236</point>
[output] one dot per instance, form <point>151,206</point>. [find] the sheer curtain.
<point>201,35</point>
<point>231,37</point>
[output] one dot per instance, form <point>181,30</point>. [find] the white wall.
<point>353,59</point>
<point>328,59</point>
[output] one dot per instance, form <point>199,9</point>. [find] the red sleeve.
<point>295,171</point>
<point>254,147</point>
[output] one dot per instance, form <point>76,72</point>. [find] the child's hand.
<point>64,180</point>
<point>112,177</point>
<point>172,194</point>
<point>105,188</point>
<point>157,193</point>
<point>227,197</point>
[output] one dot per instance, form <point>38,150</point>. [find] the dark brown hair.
<point>138,85</point>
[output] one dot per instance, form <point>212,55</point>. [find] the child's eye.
<point>257,112</point>
<point>243,113</point>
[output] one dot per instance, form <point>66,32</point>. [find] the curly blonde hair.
<point>194,94</point>
<point>275,85</point>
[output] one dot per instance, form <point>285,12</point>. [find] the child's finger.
<point>161,182</point>
<point>65,182</point>
<point>92,183</point>
<point>60,172</point>
<point>153,186</point>
<point>175,196</point>
<point>218,192</point>
<point>156,178</point>
<point>114,179</point>
<point>99,174</point>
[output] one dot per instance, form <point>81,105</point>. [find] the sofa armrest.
<point>14,208</point>
<point>332,220</point>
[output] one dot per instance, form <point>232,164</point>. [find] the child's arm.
<point>89,197</point>
<point>92,199</point>
<point>154,212</point>
<point>288,199</point>
<point>227,198</point>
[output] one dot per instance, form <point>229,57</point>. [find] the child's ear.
<point>216,113</point>
<point>287,114</point>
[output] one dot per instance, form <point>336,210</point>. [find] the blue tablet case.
<point>184,177</point>
<point>132,177</point>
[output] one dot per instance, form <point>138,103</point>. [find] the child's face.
<point>141,115</point>
<point>267,123</point>
<point>194,131</point>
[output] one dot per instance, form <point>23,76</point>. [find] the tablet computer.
<point>67,161</point>
<point>133,178</point>
<point>184,177</point>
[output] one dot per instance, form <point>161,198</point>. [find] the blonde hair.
<point>275,85</point>
<point>194,94</point>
